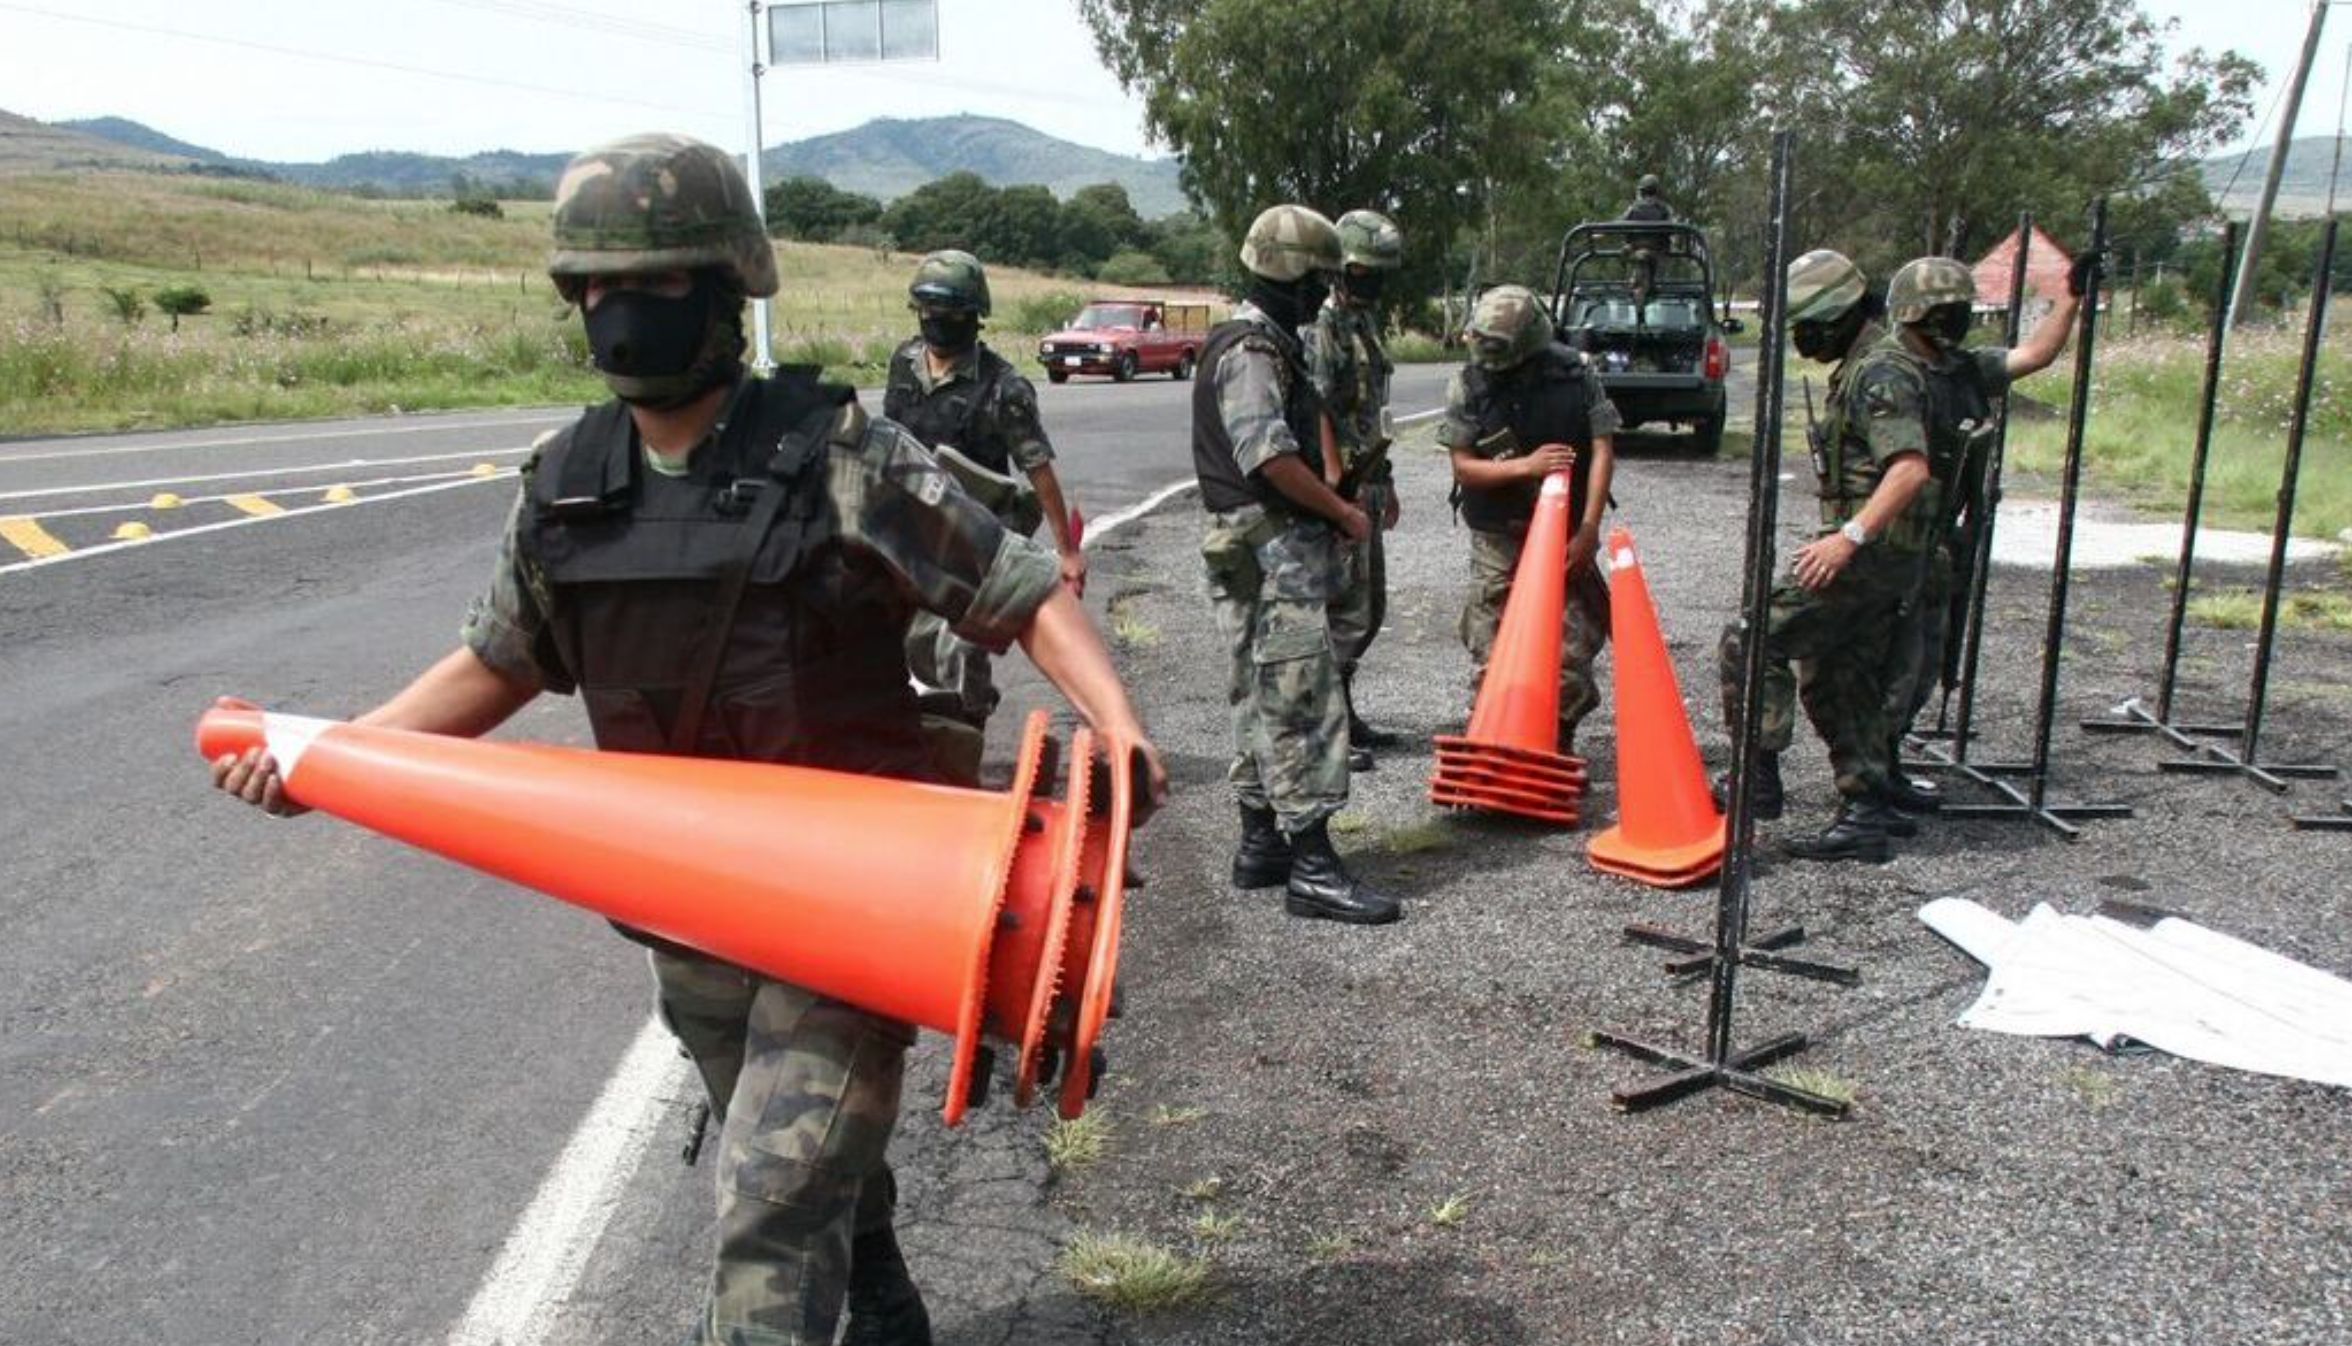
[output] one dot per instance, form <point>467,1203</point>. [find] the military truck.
<point>1638,298</point>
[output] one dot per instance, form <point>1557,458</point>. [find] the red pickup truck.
<point>1126,337</point>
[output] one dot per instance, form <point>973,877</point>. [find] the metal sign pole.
<point>2213,759</point>
<point>1721,1066</point>
<point>762,354</point>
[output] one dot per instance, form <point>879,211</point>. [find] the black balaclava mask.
<point>1947,324</point>
<point>1290,303</point>
<point>659,351</point>
<point>949,331</point>
<point>1363,287</point>
<point>1829,340</point>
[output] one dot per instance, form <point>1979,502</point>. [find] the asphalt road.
<point>267,1082</point>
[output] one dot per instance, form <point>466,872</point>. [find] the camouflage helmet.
<point>1286,242</point>
<point>1370,239</point>
<point>1926,283</point>
<point>654,203</point>
<point>951,279</point>
<point>1507,325</point>
<point>1822,285</point>
<point>1648,186</point>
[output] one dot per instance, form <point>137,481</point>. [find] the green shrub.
<point>1132,268</point>
<point>486,207</point>
<point>126,303</point>
<point>1049,312</point>
<point>182,301</point>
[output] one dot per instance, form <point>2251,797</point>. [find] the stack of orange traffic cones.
<point>1509,759</point>
<point>971,912</point>
<point>1668,834</point>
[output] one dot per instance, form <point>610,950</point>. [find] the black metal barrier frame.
<point>2244,759</point>
<point>2030,801</point>
<point>1721,1066</point>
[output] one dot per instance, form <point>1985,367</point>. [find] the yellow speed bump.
<point>339,495</point>
<point>164,500</point>
<point>133,531</point>
<point>485,469</point>
<point>258,506</point>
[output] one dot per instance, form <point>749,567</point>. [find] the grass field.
<point>325,304</point>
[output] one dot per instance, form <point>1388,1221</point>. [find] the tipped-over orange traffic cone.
<point>1509,760</point>
<point>1668,833</point>
<point>971,912</point>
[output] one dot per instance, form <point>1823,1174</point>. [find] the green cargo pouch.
<point>1291,632</point>
<point>1231,554</point>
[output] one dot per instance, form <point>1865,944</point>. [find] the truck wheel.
<point>1183,368</point>
<point>1058,375</point>
<point>1125,370</point>
<point>1710,432</point>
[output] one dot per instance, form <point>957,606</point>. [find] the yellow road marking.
<point>257,506</point>
<point>30,537</point>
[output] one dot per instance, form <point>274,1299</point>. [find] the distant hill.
<point>2303,189</point>
<point>30,146</point>
<point>887,158</point>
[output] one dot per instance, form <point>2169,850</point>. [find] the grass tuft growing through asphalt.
<point>1075,1143</point>
<point>2241,609</point>
<point>1132,1274</point>
<point>1814,1080</point>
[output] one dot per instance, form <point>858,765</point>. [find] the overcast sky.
<point>559,74</point>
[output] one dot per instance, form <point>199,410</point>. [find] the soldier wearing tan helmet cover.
<point>1524,407</point>
<point>1932,301</point>
<point>1272,557</point>
<point>608,584</point>
<point>1351,370</point>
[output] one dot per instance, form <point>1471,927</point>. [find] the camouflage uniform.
<point>1351,373</point>
<point>1838,638</point>
<point>1272,573</point>
<point>807,1088</point>
<point>983,409</point>
<point>1480,417</point>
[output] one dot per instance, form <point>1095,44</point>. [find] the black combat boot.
<point>1767,797</point>
<point>885,1309</point>
<point>1859,832</point>
<point>1359,760</point>
<point>1320,885</point>
<point>1906,792</point>
<point>1263,858</point>
<point>1361,735</point>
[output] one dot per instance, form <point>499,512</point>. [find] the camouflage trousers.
<point>1289,713</point>
<point>805,1091</point>
<point>1830,648</point>
<point>1362,602</point>
<point>1584,627</point>
<point>1915,657</point>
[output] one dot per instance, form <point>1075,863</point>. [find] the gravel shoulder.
<point>1397,1135</point>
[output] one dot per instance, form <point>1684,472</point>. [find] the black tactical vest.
<point>962,413</point>
<point>1541,403</point>
<point>812,672</point>
<point>1224,486</point>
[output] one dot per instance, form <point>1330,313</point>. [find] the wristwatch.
<point>1853,531</point>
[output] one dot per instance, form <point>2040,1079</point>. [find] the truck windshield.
<point>1109,315</point>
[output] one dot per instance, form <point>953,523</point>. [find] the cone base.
<point>1658,866</point>
<point>1458,747</point>
<point>1561,812</point>
<point>1563,801</point>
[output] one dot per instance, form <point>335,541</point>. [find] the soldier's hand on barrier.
<point>1074,571</point>
<point>2078,275</point>
<point>1549,459</point>
<point>253,777</point>
<point>1352,521</point>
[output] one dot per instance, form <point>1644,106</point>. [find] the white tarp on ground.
<point>2176,986</point>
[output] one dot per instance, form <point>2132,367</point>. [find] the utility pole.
<point>761,359</point>
<point>2242,300</point>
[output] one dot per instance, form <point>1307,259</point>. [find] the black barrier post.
<point>1721,1066</point>
<point>1980,561</point>
<point>2326,822</point>
<point>2137,718</point>
<point>2213,759</point>
<point>2032,803</point>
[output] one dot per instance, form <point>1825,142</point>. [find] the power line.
<point>365,63</point>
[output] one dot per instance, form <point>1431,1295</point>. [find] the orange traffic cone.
<point>1668,834</point>
<point>966,911</point>
<point>1509,760</point>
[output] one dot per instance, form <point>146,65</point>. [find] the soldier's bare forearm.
<point>2048,340</point>
<point>1600,475</point>
<point>1901,481</point>
<point>1051,502</point>
<point>460,696</point>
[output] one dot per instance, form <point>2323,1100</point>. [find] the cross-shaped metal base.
<point>1738,1073</point>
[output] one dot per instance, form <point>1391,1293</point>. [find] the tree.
<point>1191,250</point>
<point>182,301</point>
<point>1133,268</point>
<point>941,213</point>
<point>1403,106</point>
<point>1108,202</point>
<point>1020,225</point>
<point>816,211</point>
<point>1942,119</point>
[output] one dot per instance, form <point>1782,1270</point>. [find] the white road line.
<point>142,505</point>
<point>343,466</point>
<point>1095,532</point>
<point>247,521</point>
<point>1419,416</point>
<point>436,428</point>
<point>548,1248</point>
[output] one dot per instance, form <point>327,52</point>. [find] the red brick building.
<point>2045,271</point>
